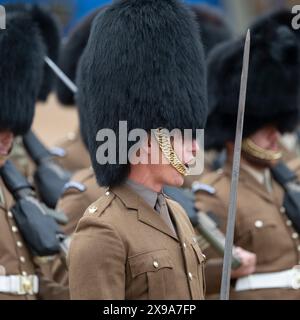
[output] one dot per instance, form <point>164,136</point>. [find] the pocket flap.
<point>149,262</point>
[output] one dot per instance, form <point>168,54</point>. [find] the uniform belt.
<point>19,285</point>
<point>283,279</point>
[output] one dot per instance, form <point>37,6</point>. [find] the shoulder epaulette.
<point>198,186</point>
<point>212,177</point>
<point>74,185</point>
<point>98,207</point>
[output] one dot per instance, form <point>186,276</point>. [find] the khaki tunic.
<point>262,227</point>
<point>122,249</point>
<point>73,203</point>
<point>76,155</point>
<point>15,258</point>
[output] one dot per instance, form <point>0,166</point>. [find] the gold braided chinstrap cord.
<point>164,142</point>
<point>254,150</point>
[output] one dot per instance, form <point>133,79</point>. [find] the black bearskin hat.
<point>213,26</point>
<point>273,82</point>
<point>273,19</point>
<point>70,54</point>
<point>50,32</point>
<point>21,71</point>
<point>144,64</point>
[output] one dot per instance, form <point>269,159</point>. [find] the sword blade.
<point>61,75</point>
<point>226,274</point>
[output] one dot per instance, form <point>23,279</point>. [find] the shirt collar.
<point>148,195</point>
<point>263,177</point>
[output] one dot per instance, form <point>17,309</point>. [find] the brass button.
<point>258,224</point>
<point>14,229</point>
<point>282,210</point>
<point>93,209</point>
<point>10,215</point>
<point>107,193</point>
<point>155,264</point>
<point>295,235</point>
<point>288,223</point>
<point>19,244</point>
<point>22,259</point>
<point>190,276</point>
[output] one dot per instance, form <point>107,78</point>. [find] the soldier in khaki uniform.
<point>84,190</point>
<point>262,225</point>
<point>20,277</point>
<point>133,243</point>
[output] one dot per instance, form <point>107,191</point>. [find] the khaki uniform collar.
<point>251,181</point>
<point>145,193</point>
<point>145,213</point>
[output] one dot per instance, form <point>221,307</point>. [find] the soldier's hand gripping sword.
<point>226,275</point>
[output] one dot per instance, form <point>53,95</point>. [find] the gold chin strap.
<point>257,152</point>
<point>166,147</point>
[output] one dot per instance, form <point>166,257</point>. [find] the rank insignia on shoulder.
<point>74,185</point>
<point>197,186</point>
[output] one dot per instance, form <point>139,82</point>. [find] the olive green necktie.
<point>162,208</point>
<point>268,181</point>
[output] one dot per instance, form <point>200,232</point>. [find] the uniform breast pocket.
<point>201,268</point>
<point>152,275</point>
<point>264,234</point>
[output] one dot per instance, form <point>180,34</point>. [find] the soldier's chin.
<point>177,179</point>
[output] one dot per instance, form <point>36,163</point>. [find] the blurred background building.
<point>239,12</point>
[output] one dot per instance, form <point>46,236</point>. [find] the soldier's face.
<point>267,138</point>
<point>6,141</point>
<point>185,151</point>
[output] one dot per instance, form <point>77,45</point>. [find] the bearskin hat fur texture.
<point>21,71</point>
<point>144,64</point>
<point>50,32</point>
<point>274,18</point>
<point>70,54</point>
<point>273,83</point>
<point>213,26</point>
